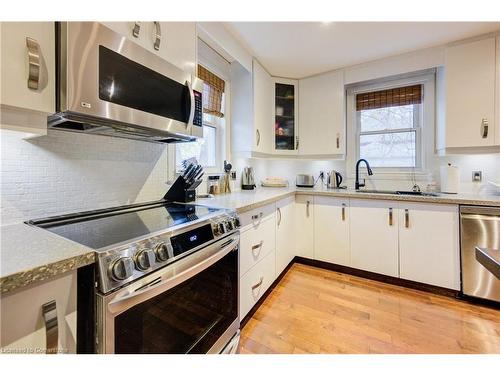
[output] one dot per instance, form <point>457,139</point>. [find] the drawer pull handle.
<point>338,140</point>
<point>156,46</point>
<point>258,136</point>
<point>484,128</point>
<point>255,247</point>
<point>49,312</point>
<point>407,218</point>
<point>343,211</point>
<point>258,216</point>
<point>137,29</point>
<point>390,216</point>
<point>307,208</point>
<point>33,63</point>
<point>258,284</point>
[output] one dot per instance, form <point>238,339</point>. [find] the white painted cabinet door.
<point>331,230</point>
<point>321,114</point>
<point>374,236</point>
<point>285,121</point>
<point>470,94</point>
<point>15,66</point>
<point>285,233</point>
<point>429,244</point>
<point>304,226</point>
<point>262,108</point>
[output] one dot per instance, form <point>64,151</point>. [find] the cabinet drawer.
<point>255,217</point>
<point>256,243</point>
<point>255,282</point>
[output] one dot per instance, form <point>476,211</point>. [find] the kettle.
<point>247,179</point>
<point>334,179</point>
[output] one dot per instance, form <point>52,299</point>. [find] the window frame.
<point>425,137</point>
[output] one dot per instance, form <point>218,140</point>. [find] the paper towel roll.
<point>450,177</point>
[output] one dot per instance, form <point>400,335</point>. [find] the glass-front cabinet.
<point>286,135</point>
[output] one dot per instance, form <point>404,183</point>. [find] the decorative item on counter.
<point>450,177</point>
<point>274,182</point>
<point>247,179</point>
<point>226,179</point>
<point>213,184</point>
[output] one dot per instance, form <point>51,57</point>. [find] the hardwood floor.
<point>313,310</point>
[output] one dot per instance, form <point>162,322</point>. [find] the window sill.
<point>392,175</point>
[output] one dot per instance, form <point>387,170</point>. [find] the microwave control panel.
<point>198,110</point>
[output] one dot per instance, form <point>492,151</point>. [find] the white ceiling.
<point>301,49</point>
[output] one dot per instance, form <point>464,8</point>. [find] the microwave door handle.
<point>122,302</point>
<point>192,105</point>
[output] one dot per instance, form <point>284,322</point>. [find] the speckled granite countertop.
<point>29,255</point>
<point>243,201</point>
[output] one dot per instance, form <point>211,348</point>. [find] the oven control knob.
<point>122,268</point>
<point>144,259</point>
<point>236,222</point>
<point>222,228</point>
<point>229,224</point>
<point>161,252</point>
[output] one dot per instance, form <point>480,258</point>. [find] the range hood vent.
<point>77,122</point>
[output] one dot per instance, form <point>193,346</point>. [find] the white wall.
<point>69,172</point>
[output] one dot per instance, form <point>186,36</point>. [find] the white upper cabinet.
<point>428,244</point>
<point>331,230</point>
<point>321,114</point>
<point>285,233</point>
<point>374,236</point>
<point>285,127</point>
<point>470,94</point>
<point>27,73</point>
<point>262,109</point>
<point>173,41</point>
<point>304,226</point>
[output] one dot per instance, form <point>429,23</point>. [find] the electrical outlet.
<point>477,176</point>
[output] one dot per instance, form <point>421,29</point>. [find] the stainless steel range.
<point>167,276</point>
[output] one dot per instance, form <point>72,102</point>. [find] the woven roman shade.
<point>389,98</point>
<point>213,89</point>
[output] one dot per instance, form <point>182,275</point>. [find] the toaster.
<point>304,180</point>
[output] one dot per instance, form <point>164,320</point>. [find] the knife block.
<point>180,192</point>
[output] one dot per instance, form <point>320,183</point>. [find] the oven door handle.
<point>126,299</point>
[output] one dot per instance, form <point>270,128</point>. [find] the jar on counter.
<point>213,186</point>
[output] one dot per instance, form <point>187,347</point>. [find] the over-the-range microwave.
<point>106,84</point>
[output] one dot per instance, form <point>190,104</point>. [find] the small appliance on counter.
<point>247,179</point>
<point>450,177</point>
<point>274,182</point>
<point>304,180</point>
<point>334,180</point>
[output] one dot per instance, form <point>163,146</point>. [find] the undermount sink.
<point>398,192</point>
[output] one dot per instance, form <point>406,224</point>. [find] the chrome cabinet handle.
<point>343,211</point>
<point>338,140</point>
<point>279,219</point>
<point>157,35</point>
<point>390,216</point>
<point>33,63</point>
<point>258,137</point>
<point>297,142</point>
<point>49,313</point>
<point>137,29</point>
<point>484,128</point>
<point>255,286</point>
<point>307,208</point>
<point>407,218</point>
<point>255,247</point>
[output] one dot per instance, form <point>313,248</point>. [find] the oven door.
<point>105,75</point>
<point>190,306</point>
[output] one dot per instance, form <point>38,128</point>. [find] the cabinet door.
<point>285,233</point>
<point>374,236</point>
<point>470,94</point>
<point>497,94</point>
<point>304,226</point>
<point>331,230</point>
<point>15,66</point>
<point>285,115</point>
<point>263,102</point>
<point>321,114</point>
<point>428,244</point>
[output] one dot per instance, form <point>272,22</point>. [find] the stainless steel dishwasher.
<point>479,226</point>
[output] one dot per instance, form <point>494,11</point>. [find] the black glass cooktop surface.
<point>119,226</point>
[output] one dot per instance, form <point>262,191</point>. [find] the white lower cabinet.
<point>331,230</point>
<point>429,245</point>
<point>22,323</point>
<point>304,226</point>
<point>285,233</point>
<point>374,236</point>
<point>255,283</point>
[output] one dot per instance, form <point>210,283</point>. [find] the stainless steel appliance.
<point>248,179</point>
<point>111,86</point>
<point>334,180</point>
<point>167,276</point>
<point>479,227</point>
<point>304,180</point>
